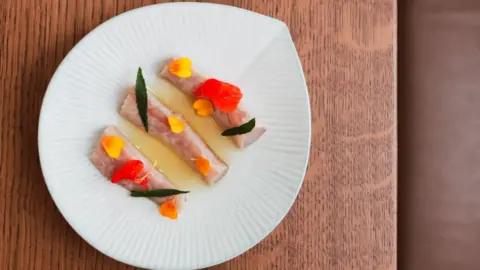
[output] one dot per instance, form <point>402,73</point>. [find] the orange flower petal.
<point>181,67</point>
<point>113,145</point>
<point>169,209</point>
<point>203,165</point>
<point>203,107</point>
<point>176,125</point>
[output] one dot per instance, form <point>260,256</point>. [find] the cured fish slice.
<point>187,144</point>
<point>226,120</point>
<point>155,179</point>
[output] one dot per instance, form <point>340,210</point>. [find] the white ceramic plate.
<point>250,50</point>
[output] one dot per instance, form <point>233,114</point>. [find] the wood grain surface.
<point>345,215</point>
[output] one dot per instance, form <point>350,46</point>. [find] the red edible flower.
<point>130,171</point>
<point>224,96</point>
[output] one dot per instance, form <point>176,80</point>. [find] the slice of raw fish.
<point>107,166</point>
<point>187,144</point>
<point>226,120</point>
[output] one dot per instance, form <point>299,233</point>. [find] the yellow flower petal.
<point>203,107</point>
<point>181,67</point>
<point>183,62</point>
<point>203,165</point>
<point>176,125</point>
<point>113,145</point>
<point>184,73</point>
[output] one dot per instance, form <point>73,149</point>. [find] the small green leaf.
<point>157,193</point>
<point>245,128</point>
<point>142,98</point>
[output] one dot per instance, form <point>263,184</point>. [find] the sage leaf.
<point>157,193</point>
<point>242,129</point>
<point>142,98</point>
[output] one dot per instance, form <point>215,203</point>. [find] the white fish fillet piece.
<point>224,119</point>
<point>187,144</point>
<point>107,166</point>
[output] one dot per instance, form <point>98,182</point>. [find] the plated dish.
<point>121,162</point>
<point>183,196</point>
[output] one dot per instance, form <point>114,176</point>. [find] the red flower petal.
<point>227,98</point>
<point>224,96</point>
<point>129,171</point>
<point>208,88</point>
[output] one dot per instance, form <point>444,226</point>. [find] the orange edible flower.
<point>203,107</point>
<point>203,165</point>
<point>113,145</point>
<point>224,96</point>
<point>181,67</point>
<point>176,125</point>
<point>168,209</point>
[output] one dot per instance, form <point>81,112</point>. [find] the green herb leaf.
<point>157,193</point>
<point>245,128</point>
<point>141,95</point>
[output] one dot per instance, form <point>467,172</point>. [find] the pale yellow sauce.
<point>178,172</point>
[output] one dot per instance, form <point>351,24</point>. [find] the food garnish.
<point>143,180</point>
<point>176,125</point>
<point>168,209</point>
<point>203,165</point>
<point>157,193</point>
<point>130,171</point>
<point>142,98</point>
<point>203,107</point>
<point>242,129</point>
<point>224,96</point>
<point>181,67</point>
<point>113,145</point>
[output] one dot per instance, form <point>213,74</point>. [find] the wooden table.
<point>345,214</point>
